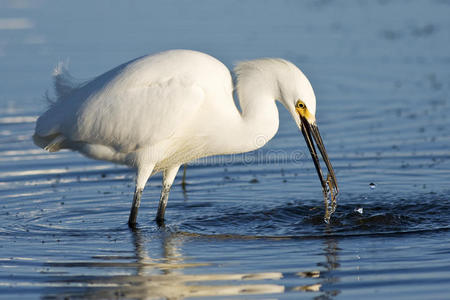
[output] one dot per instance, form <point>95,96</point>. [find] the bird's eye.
<point>300,105</point>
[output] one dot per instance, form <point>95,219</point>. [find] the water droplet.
<point>359,210</point>
<point>372,185</point>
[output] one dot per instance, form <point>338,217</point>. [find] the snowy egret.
<point>157,112</point>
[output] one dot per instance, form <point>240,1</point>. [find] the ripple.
<point>422,213</point>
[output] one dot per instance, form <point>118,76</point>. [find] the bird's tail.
<point>64,83</point>
<point>47,134</point>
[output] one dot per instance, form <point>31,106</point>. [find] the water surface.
<point>246,226</point>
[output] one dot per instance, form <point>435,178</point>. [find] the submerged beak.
<point>329,184</point>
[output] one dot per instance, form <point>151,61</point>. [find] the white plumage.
<point>157,112</point>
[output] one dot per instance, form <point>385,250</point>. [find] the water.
<point>247,226</point>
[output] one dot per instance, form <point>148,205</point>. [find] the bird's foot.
<point>132,225</point>
<point>160,222</point>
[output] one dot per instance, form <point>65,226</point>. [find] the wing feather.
<point>137,117</point>
<point>136,104</point>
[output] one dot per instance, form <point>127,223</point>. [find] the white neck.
<point>258,121</point>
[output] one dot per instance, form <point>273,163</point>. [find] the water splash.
<point>384,215</point>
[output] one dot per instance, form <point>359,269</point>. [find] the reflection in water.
<point>326,278</point>
<point>154,278</point>
<point>165,279</point>
<point>331,264</point>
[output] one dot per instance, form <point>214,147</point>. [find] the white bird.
<point>160,111</point>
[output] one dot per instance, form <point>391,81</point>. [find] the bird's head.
<point>297,95</point>
<point>282,80</point>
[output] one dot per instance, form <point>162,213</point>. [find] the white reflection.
<point>15,23</point>
<point>167,277</point>
<point>173,284</point>
<point>33,172</point>
<point>309,288</point>
<point>54,171</point>
<point>19,119</point>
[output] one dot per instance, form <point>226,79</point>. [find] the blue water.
<point>247,226</point>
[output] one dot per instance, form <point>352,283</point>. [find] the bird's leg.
<point>168,178</point>
<point>135,207</point>
<point>143,174</point>
<point>183,181</point>
<point>162,205</point>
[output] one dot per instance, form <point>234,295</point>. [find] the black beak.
<point>329,184</point>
